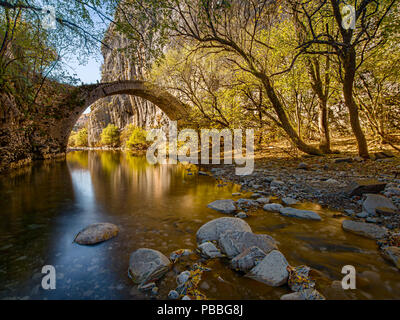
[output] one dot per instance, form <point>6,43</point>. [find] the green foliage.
<point>137,138</point>
<point>79,138</point>
<point>110,136</point>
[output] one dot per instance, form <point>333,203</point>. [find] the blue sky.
<point>87,73</point>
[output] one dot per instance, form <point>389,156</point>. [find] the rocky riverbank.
<point>338,183</point>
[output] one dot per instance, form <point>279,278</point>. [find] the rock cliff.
<point>123,109</point>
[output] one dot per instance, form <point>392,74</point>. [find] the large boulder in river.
<point>212,230</point>
<point>374,201</point>
<point>272,270</point>
<point>96,233</point>
<point>233,243</point>
<point>367,230</point>
<point>147,265</point>
<point>224,206</point>
<point>360,187</point>
<point>300,214</point>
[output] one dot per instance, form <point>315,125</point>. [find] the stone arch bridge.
<point>45,135</point>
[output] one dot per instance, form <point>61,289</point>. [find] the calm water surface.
<point>43,207</point>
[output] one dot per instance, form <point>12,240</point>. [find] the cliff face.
<point>123,109</point>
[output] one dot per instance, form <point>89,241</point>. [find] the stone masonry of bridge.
<point>44,133</point>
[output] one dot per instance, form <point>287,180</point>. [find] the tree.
<point>137,139</point>
<point>349,45</point>
<point>236,28</point>
<point>79,138</point>
<point>30,53</point>
<point>110,136</point>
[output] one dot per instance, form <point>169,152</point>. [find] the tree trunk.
<point>349,65</point>
<point>322,93</point>
<point>285,123</point>
<point>323,125</point>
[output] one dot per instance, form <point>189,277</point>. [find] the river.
<point>161,207</point>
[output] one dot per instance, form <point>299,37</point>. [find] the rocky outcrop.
<point>121,110</point>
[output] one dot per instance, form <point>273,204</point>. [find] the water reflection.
<point>161,207</point>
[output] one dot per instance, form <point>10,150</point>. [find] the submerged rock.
<point>233,243</point>
<point>248,259</point>
<point>241,215</point>
<point>392,254</point>
<point>147,265</point>
<point>368,230</point>
<point>212,230</point>
<point>301,214</point>
<point>273,207</point>
<point>96,233</point>
<point>374,201</point>
<point>223,206</point>
<point>272,270</point>
<point>209,251</point>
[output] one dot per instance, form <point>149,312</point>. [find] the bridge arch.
<point>78,99</point>
<point>171,106</point>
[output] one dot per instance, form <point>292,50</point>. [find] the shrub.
<point>137,139</point>
<point>110,136</point>
<point>78,139</point>
<point>72,140</point>
<point>126,133</point>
